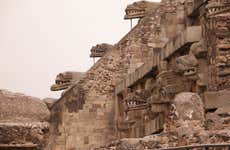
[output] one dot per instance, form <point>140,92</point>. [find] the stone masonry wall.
<point>83,118</point>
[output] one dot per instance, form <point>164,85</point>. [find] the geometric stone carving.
<point>171,83</point>
<point>217,7</point>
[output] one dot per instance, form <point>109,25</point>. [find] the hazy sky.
<point>41,38</point>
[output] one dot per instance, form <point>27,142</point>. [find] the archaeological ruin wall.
<point>193,60</point>
<point>177,55</point>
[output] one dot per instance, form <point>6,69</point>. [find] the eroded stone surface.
<point>188,106</point>
<point>157,81</point>
<point>17,107</point>
<point>65,80</point>
<point>24,120</point>
<point>164,84</point>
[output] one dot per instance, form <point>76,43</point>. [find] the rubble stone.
<point>23,120</point>
<point>188,106</point>
<point>16,107</point>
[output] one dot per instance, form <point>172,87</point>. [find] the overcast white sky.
<point>41,38</point>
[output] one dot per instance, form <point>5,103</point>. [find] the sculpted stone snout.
<point>100,49</point>
<point>139,9</point>
<point>186,65</point>
<point>62,82</point>
<point>65,80</point>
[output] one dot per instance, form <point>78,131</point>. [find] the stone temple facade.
<point>165,84</point>
<point>169,71</point>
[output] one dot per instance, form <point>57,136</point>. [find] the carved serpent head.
<point>100,49</point>
<point>186,65</point>
<point>139,9</point>
<point>65,80</point>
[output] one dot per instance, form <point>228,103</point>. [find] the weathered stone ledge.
<point>218,99</point>
<point>139,73</point>
<point>186,38</point>
<point>26,124</point>
<point>190,35</point>
<point>18,145</point>
<point>199,146</point>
